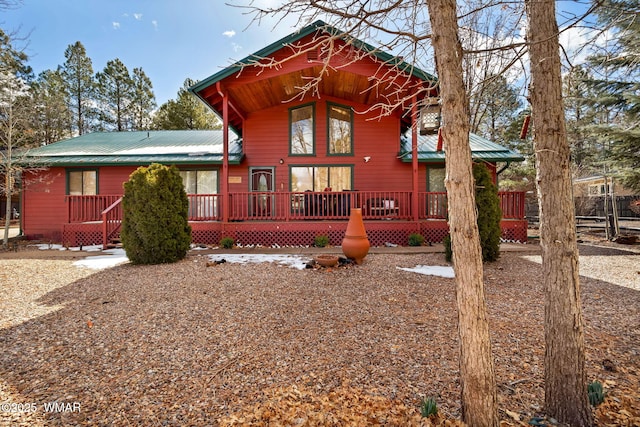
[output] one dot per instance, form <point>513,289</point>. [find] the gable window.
<point>82,182</point>
<point>301,131</point>
<point>340,129</point>
<point>320,178</point>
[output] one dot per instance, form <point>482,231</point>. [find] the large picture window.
<point>320,178</point>
<point>340,130</point>
<point>82,182</point>
<point>301,132</point>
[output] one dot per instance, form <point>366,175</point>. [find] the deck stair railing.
<point>111,222</point>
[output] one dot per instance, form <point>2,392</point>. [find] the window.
<point>599,189</point>
<point>340,132</point>
<point>435,179</point>
<point>436,203</point>
<point>200,181</point>
<point>82,182</point>
<point>201,185</point>
<point>319,178</point>
<point>301,132</point>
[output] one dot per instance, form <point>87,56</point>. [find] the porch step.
<point>114,244</point>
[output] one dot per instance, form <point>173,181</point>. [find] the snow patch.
<point>114,257</point>
<point>431,270</point>
<point>292,261</point>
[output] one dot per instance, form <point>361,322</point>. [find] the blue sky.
<point>170,39</point>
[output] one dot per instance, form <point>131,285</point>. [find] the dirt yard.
<point>261,344</point>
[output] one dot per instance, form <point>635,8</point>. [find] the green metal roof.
<point>137,148</point>
<point>297,36</point>
<point>481,149</point>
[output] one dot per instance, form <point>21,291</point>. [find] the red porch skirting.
<point>298,233</point>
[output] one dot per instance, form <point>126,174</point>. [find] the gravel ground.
<point>196,344</point>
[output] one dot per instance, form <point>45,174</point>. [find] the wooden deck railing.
<point>291,206</point>
<point>285,206</point>
<point>512,204</point>
<point>434,205</point>
<point>111,221</point>
<point>88,208</point>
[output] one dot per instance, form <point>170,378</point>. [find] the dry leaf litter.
<point>267,345</point>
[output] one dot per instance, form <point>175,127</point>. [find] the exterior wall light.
<point>430,116</point>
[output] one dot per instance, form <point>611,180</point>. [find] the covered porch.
<point>292,218</point>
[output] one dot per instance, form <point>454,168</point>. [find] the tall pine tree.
<point>77,73</point>
<point>187,112</point>
<point>114,92</point>
<point>51,116</point>
<point>143,101</point>
<point>617,81</point>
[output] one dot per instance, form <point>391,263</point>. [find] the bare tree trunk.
<point>479,400</point>
<point>7,222</point>
<point>565,377</point>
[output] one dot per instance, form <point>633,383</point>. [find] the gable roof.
<point>481,149</point>
<point>137,148</point>
<point>251,87</point>
<point>299,35</point>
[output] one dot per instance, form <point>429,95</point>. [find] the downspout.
<point>226,200</point>
<point>502,169</point>
<point>414,158</point>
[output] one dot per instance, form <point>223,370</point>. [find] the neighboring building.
<point>15,199</point>
<point>285,168</point>
<point>589,196</point>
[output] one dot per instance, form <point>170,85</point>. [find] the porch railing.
<point>308,205</point>
<point>111,221</point>
<point>433,205</point>
<point>285,206</point>
<point>512,204</point>
<point>88,208</point>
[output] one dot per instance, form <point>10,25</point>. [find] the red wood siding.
<point>266,141</point>
<point>44,208</point>
<point>44,200</point>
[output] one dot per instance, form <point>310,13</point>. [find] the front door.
<point>262,183</point>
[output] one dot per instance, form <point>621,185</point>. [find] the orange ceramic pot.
<point>355,244</point>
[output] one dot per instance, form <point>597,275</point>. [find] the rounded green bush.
<point>155,227</point>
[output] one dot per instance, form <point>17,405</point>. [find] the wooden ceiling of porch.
<point>247,96</point>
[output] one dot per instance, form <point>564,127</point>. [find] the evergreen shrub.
<point>489,213</point>
<point>155,227</point>
<point>416,239</point>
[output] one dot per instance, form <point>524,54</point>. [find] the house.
<point>589,196</point>
<point>287,165</point>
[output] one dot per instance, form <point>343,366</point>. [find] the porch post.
<point>414,158</point>
<point>225,158</point>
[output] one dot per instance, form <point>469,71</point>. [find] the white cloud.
<point>236,47</point>
<point>229,33</point>
<point>116,25</point>
<point>137,16</point>
<point>155,24</point>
